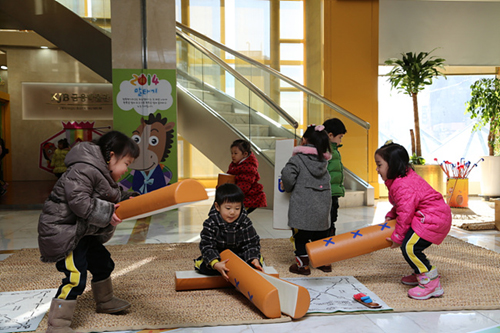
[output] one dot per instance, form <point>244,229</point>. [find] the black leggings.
<point>334,213</point>
<point>412,249</point>
<point>301,237</point>
<point>90,254</point>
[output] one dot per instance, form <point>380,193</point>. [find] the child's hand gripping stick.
<point>160,200</point>
<point>350,244</point>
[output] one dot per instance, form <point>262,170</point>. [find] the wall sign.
<point>56,101</point>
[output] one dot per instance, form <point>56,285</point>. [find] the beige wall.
<point>466,32</point>
<point>38,65</point>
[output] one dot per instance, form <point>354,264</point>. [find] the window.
<point>445,129</point>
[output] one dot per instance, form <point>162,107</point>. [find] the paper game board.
<point>22,311</point>
<point>335,294</point>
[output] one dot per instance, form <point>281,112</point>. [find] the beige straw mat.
<point>144,276</point>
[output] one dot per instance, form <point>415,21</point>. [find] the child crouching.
<point>78,218</point>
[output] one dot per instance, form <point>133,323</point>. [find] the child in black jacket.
<point>227,227</point>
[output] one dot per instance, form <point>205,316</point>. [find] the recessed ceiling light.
<point>44,47</point>
<point>3,67</point>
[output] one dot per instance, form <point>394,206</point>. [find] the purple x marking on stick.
<point>356,234</point>
<point>328,241</point>
<point>384,225</point>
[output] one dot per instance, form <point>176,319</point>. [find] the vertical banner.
<point>145,108</point>
<point>284,149</point>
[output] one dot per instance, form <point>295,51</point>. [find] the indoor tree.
<point>410,75</point>
<point>484,107</point>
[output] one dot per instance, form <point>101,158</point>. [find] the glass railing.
<point>96,12</point>
<point>232,98</point>
<point>303,104</point>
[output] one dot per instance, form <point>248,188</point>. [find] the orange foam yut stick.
<point>350,244</point>
<point>252,285</point>
<point>192,280</point>
<point>162,199</point>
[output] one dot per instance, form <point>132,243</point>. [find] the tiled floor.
<point>18,229</point>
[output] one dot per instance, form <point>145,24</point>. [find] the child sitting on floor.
<point>227,227</point>
<point>244,166</point>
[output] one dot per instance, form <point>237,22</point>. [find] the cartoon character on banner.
<point>154,137</point>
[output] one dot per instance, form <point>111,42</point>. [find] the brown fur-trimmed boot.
<point>104,299</point>
<point>60,316</point>
<point>301,266</point>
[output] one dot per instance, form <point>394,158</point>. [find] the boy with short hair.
<point>336,131</point>
<point>227,227</point>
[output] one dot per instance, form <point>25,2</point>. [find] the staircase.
<point>217,103</point>
<point>246,121</point>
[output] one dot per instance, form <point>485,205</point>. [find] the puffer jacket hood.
<point>88,153</point>
<point>313,164</point>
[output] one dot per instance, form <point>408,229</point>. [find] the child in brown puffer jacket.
<point>78,218</point>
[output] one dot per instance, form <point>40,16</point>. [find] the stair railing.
<point>273,72</point>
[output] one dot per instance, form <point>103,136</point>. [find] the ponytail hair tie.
<point>319,128</point>
<point>388,142</point>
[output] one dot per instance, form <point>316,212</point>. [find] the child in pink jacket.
<point>422,218</point>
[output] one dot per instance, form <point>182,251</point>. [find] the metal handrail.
<point>274,72</point>
<point>241,78</point>
<point>255,148</point>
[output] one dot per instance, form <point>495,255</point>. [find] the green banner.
<point>145,108</point>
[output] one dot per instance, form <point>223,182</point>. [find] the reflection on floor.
<point>18,229</point>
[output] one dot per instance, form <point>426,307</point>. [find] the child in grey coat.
<point>305,175</point>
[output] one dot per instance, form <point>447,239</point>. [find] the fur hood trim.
<point>309,150</point>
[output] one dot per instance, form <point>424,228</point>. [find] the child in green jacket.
<point>336,131</point>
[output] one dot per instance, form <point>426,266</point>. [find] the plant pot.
<point>432,174</point>
<point>490,176</point>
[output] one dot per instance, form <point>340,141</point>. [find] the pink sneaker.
<point>410,280</point>
<point>428,286</point>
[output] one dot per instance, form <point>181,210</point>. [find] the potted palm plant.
<point>484,107</point>
<point>410,75</point>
